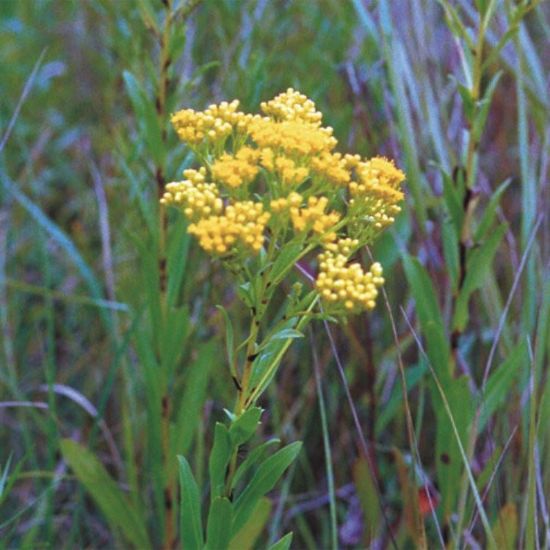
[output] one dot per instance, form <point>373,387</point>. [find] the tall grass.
<point>112,349</point>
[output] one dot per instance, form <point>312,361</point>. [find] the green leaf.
<point>190,511</point>
<point>500,382</point>
<point>368,497</point>
<point>257,455</point>
<point>283,543</point>
<point>427,306</point>
<point>449,463</point>
<point>218,530</point>
<point>270,349</point>
<point>450,241</point>
<point>219,459</point>
<point>467,101</point>
<point>246,295</point>
<point>4,476</point>
<point>481,6</point>
<point>483,107</point>
<point>248,534</point>
<point>177,43</point>
<point>429,315</point>
<point>489,214</point>
<point>287,333</point>
<point>178,251</point>
<point>394,405</point>
<point>8,481</point>
<point>229,339</point>
<point>265,479</point>
<point>285,261</point>
<point>192,400</point>
<point>455,23</point>
<point>244,427</point>
<point>505,528</point>
<point>487,11</point>
<point>478,266</point>
<point>117,509</point>
<point>137,192</point>
<point>453,200</point>
<point>172,338</point>
<point>147,119</point>
<point>148,14</point>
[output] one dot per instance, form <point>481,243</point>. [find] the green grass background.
<point>86,89</point>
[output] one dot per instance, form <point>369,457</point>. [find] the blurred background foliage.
<point>86,89</point>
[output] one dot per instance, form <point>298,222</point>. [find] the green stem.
<point>471,174</point>
<point>169,481</point>
<point>328,454</point>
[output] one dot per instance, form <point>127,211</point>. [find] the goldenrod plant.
<point>271,194</point>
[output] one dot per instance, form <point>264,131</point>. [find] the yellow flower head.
<point>279,175</point>
<point>343,286</point>
<point>284,204</point>
<point>332,167</point>
<point>242,224</point>
<point>292,105</point>
<point>293,137</point>
<point>381,171</point>
<point>197,198</point>
<point>236,170</point>
<point>313,218</point>
<point>214,124</point>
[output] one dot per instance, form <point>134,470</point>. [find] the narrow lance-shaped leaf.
<point>146,117</point>
<point>450,250</point>
<point>219,459</point>
<point>500,383</point>
<point>243,428</point>
<point>429,315</point>
<point>489,213</point>
<point>453,199</point>
<point>229,339</point>
<point>190,509</point>
<point>116,508</point>
<point>245,538</point>
<point>265,479</point>
<point>192,400</point>
<point>218,530</point>
<point>283,543</point>
<point>483,108</point>
<point>256,455</point>
<point>477,268</point>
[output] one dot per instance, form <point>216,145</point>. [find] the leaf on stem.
<point>190,510</point>
<point>264,480</point>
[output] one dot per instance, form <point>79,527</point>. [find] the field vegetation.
<point>424,422</point>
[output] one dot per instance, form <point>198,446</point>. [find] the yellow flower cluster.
<point>293,200</point>
<point>198,198</point>
<point>243,223</point>
<point>292,105</point>
<point>313,218</point>
<point>281,170</point>
<point>215,123</point>
<point>287,170</point>
<point>237,170</point>
<point>381,171</point>
<point>347,286</point>
<point>333,167</point>
<point>376,194</point>
<point>293,137</point>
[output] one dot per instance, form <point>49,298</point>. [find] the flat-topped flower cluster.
<point>270,181</point>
